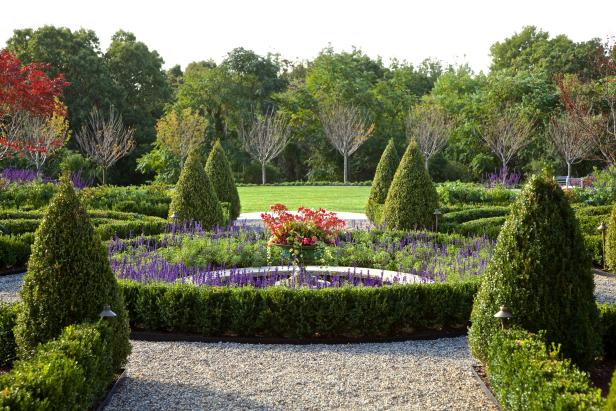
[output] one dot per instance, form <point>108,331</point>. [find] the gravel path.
<point>421,375</point>
<point>10,286</point>
<point>605,287</point>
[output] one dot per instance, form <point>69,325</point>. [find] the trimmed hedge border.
<point>298,313</point>
<point>525,375</point>
<point>69,373</point>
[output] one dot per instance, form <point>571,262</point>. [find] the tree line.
<point>546,102</point>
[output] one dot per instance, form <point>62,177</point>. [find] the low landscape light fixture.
<point>437,213</point>
<point>504,314</point>
<point>602,230</point>
<point>107,314</point>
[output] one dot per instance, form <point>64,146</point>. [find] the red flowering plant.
<point>302,230</point>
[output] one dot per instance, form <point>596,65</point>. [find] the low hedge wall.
<point>462,216</point>
<point>69,373</point>
<point>15,250</point>
<point>298,313</point>
<point>8,317</point>
<point>607,317</point>
<point>525,375</point>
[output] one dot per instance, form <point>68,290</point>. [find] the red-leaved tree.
<point>28,97</point>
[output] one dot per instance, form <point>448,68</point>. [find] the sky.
<point>452,31</point>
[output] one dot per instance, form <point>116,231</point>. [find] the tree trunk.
<point>346,165</point>
<point>504,173</point>
<point>263,179</point>
<point>568,174</point>
<point>104,170</point>
<point>426,162</point>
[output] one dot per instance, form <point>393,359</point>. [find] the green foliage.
<point>524,375</point>
<point>221,176</point>
<point>298,313</point>
<point>457,217</point>
<point>69,279</point>
<point>194,197</point>
<point>455,192</point>
<point>610,243</point>
<point>15,250</point>
<point>146,199</point>
<point>489,227</point>
<point>68,373</point>
<point>611,398</point>
<point>383,176</point>
<point>541,271</point>
<point>8,348</point>
<point>411,198</point>
<point>29,196</point>
<point>607,317</point>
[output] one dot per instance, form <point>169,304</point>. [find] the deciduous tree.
<point>267,136</point>
<point>346,128</point>
<point>429,126</point>
<point>105,139</point>
<point>571,140</point>
<point>179,130</point>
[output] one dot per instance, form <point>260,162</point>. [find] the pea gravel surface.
<point>412,375</point>
<point>10,286</point>
<point>605,287</point>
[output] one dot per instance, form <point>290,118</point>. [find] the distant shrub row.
<point>17,230</point>
<point>309,183</point>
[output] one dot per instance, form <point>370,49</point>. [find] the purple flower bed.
<point>21,176</point>
<point>502,177</point>
<point>419,253</point>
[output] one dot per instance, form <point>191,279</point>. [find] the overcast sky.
<point>454,31</point>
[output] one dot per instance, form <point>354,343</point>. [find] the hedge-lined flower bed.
<point>189,253</point>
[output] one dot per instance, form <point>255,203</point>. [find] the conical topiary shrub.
<point>610,243</point>
<point>69,279</point>
<point>541,271</point>
<point>219,171</point>
<point>411,198</point>
<point>194,197</point>
<point>383,176</point>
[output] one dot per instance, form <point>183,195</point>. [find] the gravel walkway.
<point>10,286</point>
<point>421,375</point>
<point>605,287</point>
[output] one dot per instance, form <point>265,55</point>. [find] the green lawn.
<point>342,198</point>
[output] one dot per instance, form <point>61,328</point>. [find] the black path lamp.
<point>504,314</point>
<point>602,229</point>
<point>437,213</point>
<point>107,314</point>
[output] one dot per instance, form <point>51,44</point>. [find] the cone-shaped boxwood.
<point>194,197</point>
<point>219,171</point>
<point>610,244</point>
<point>541,271</point>
<point>411,198</point>
<point>385,171</point>
<point>69,279</point>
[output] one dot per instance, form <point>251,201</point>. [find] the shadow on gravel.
<point>135,394</point>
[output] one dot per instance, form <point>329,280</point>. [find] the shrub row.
<point>607,317</point>
<point>8,316</point>
<point>462,216</point>
<point>298,313</point>
<point>524,375</point>
<point>145,199</point>
<point>456,192</point>
<point>310,183</point>
<point>15,250</point>
<point>69,373</point>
